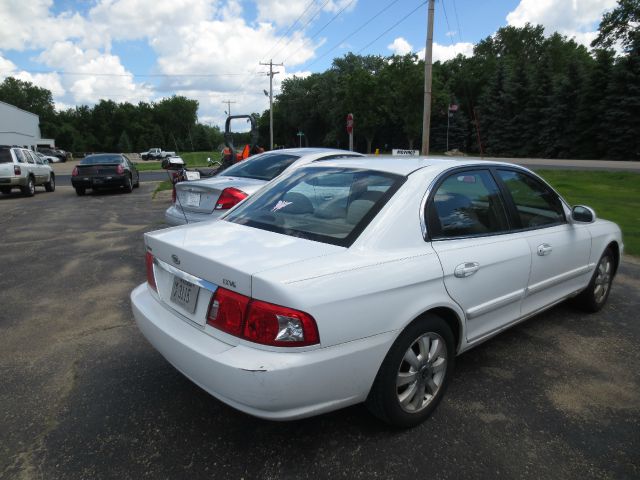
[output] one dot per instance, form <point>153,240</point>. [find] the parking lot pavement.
<point>85,396</point>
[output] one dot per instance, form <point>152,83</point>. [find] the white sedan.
<point>360,280</point>
<point>210,198</point>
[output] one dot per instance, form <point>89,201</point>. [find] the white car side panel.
<point>561,272</point>
<point>347,305</point>
<point>603,232</point>
<point>492,296</point>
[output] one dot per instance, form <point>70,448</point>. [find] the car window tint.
<point>329,205</point>
<point>20,156</point>
<point>536,204</point>
<point>467,203</point>
<point>5,156</point>
<point>261,167</point>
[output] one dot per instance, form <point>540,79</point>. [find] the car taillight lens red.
<point>227,310</point>
<point>119,169</point>
<point>151,278</point>
<point>16,170</point>
<point>74,173</point>
<point>230,197</point>
<point>261,322</point>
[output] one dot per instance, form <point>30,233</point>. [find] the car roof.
<point>311,151</point>
<point>406,165</point>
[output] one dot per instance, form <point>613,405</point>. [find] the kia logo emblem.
<point>175,259</point>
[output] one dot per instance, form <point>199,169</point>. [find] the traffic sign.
<point>350,123</point>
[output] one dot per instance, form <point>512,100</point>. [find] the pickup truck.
<point>21,168</point>
<point>155,154</point>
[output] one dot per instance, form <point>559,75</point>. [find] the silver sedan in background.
<point>208,199</point>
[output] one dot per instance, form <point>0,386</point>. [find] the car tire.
<point>29,190</point>
<point>415,373</point>
<point>137,184</point>
<point>5,191</point>
<point>595,296</point>
<point>50,186</point>
<point>128,187</point>
<point>80,191</point>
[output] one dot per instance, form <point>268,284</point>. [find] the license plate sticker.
<point>184,294</point>
<point>192,199</point>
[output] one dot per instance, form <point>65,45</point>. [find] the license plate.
<point>184,294</point>
<point>193,175</point>
<point>192,199</point>
<point>98,180</point>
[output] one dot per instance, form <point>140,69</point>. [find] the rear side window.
<point>329,205</point>
<point>5,156</point>
<point>467,204</point>
<point>261,167</point>
<point>20,156</point>
<point>536,204</point>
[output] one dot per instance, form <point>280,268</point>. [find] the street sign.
<point>350,123</point>
<point>453,107</point>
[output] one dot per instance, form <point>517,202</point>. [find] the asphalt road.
<point>85,396</point>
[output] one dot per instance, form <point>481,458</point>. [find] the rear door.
<point>485,266</point>
<point>559,250</point>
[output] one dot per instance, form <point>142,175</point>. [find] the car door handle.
<point>466,269</point>
<point>544,249</point>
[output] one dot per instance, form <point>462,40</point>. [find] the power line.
<point>391,27</point>
<point>352,33</point>
<point>289,29</point>
<point>321,29</point>
<point>303,27</point>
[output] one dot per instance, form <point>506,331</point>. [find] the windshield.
<point>261,167</point>
<point>98,159</point>
<point>326,204</point>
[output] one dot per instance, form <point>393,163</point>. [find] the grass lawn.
<point>192,159</point>
<point>614,196</point>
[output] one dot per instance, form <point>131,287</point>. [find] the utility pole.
<point>228,102</point>
<point>428,64</point>
<point>271,74</point>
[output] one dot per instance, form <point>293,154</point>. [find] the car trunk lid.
<point>226,254</point>
<point>98,169</point>
<point>200,196</point>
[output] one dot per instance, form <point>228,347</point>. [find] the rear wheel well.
<point>615,248</point>
<point>452,320</point>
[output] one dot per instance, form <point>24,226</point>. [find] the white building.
<point>21,128</point>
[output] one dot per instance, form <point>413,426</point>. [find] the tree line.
<point>519,94</point>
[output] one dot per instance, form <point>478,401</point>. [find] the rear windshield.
<point>261,167</point>
<point>328,204</point>
<point>98,159</point>
<point>5,156</point>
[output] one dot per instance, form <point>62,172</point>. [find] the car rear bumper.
<point>175,216</point>
<point>274,385</point>
<point>13,181</point>
<point>106,181</point>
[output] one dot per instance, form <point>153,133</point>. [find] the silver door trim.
<point>563,277</point>
<point>495,304</point>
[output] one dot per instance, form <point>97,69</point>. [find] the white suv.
<point>21,168</point>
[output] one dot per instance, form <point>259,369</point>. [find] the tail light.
<point>16,170</point>
<point>230,197</point>
<point>261,322</point>
<point>119,169</point>
<point>74,173</point>
<point>151,278</point>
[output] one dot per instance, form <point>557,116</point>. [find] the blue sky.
<point>143,50</point>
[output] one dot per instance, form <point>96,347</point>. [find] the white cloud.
<point>575,18</point>
<point>400,46</point>
<point>442,53</point>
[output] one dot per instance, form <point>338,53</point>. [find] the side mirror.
<point>583,214</point>
<point>172,163</point>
